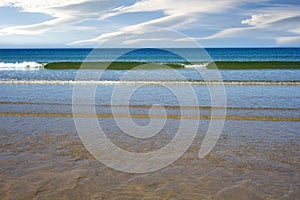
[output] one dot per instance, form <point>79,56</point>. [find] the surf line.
<point>191,117</point>
<point>152,106</point>
<point>151,82</point>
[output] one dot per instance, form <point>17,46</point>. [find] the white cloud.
<point>288,40</point>
<point>178,14</point>
<point>258,19</point>
<point>135,41</point>
<point>179,7</point>
<point>137,29</point>
<point>65,13</point>
<point>271,16</point>
<point>270,23</point>
<point>278,22</point>
<point>36,28</point>
<point>36,5</point>
<point>40,6</point>
<point>228,33</point>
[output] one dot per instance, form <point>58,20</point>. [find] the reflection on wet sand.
<point>202,117</point>
<point>43,158</point>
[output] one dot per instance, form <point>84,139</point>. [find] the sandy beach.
<point>43,158</point>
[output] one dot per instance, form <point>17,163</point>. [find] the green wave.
<point>110,66</point>
<point>224,65</point>
<point>255,65</point>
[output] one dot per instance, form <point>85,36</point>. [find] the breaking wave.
<point>197,66</point>
<point>147,82</point>
<point>21,66</point>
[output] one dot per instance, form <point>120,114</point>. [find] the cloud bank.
<point>201,19</point>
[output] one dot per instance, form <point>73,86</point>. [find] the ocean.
<point>248,118</point>
<point>148,54</point>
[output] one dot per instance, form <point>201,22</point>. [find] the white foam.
<point>156,82</point>
<point>197,66</point>
<point>21,66</point>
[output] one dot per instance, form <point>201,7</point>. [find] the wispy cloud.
<point>177,15</point>
<point>261,20</point>
<point>271,23</point>
<point>64,13</point>
<point>284,40</point>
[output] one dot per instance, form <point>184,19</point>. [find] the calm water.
<point>256,157</point>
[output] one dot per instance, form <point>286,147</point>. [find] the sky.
<point>135,23</point>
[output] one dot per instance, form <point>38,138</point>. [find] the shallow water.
<point>42,157</point>
<point>188,74</point>
<point>256,157</point>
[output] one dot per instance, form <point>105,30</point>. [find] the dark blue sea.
<point>150,55</point>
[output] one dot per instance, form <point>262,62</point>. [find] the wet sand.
<point>42,157</point>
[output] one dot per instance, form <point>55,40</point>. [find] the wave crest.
<point>197,66</point>
<point>21,66</point>
<point>152,82</point>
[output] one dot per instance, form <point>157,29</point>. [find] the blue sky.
<point>126,23</point>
